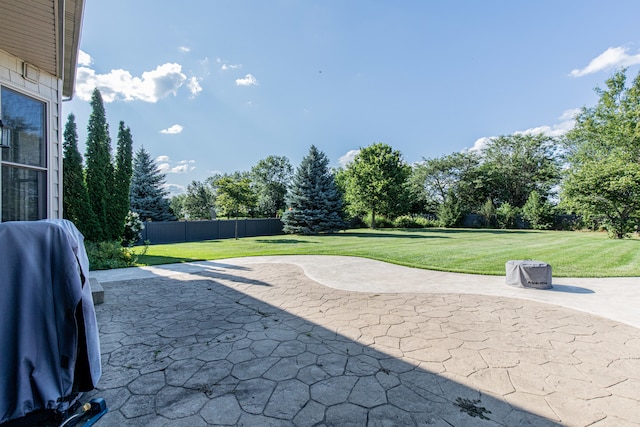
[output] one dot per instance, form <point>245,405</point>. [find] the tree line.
<point>513,181</point>
<point>99,196</point>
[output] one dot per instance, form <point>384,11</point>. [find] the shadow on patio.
<point>212,348</point>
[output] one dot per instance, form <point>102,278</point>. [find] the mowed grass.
<point>571,254</point>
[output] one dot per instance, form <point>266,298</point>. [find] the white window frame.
<point>47,147</point>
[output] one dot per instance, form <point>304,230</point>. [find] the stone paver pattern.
<point>264,345</point>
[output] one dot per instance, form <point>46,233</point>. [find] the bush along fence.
<point>194,231</point>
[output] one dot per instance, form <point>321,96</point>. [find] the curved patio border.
<point>613,298</point>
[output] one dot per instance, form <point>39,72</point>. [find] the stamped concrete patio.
<point>258,342</point>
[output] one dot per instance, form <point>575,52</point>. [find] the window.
<point>24,162</point>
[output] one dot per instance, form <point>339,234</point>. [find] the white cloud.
<point>481,143</point>
<point>173,130</point>
<point>565,124</point>
<point>165,165</point>
<point>184,49</point>
<point>183,166</point>
<point>248,80</point>
<point>610,58</point>
<point>84,59</point>
<point>153,85</point>
<point>224,66</point>
<point>567,121</point>
<point>348,158</point>
<point>194,86</point>
<point>174,189</point>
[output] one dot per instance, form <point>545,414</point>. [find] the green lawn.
<point>571,254</point>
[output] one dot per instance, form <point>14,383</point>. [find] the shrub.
<point>355,222</point>
<point>538,212</point>
<point>381,221</point>
<point>568,222</point>
<point>428,222</point>
<point>408,221</point>
<point>133,227</point>
<point>108,255</point>
<point>450,212</point>
<point>507,215</point>
<point>488,214</point>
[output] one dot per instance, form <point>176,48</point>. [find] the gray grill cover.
<point>44,283</point>
<point>529,274</point>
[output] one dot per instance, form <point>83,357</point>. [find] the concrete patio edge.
<point>613,298</point>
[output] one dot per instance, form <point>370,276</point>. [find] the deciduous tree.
<point>376,181</point>
<point>234,196</point>
<point>607,190</point>
<point>603,180</point>
<point>270,179</point>
<point>513,166</point>
<point>176,203</point>
<point>433,179</point>
<point>199,201</point>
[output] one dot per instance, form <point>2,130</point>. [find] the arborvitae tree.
<point>114,222</point>
<point>99,172</point>
<point>146,194</point>
<point>122,178</point>
<point>75,200</point>
<point>314,204</point>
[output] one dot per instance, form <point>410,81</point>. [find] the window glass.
<point>26,118</point>
<point>23,194</point>
<point>23,176</point>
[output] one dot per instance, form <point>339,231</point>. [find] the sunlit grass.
<point>571,254</point>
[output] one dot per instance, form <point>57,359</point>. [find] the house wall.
<point>48,89</point>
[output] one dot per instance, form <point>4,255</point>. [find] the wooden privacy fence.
<point>194,231</point>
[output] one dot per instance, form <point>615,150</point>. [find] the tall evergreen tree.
<point>75,200</point>
<point>122,178</point>
<point>313,200</point>
<point>99,172</point>
<point>146,194</point>
<point>114,223</point>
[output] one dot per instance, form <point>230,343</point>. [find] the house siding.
<point>48,88</point>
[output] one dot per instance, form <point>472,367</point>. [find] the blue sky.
<point>215,86</point>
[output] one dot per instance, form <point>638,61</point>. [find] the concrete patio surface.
<point>349,341</point>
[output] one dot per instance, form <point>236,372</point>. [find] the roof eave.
<point>70,44</point>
